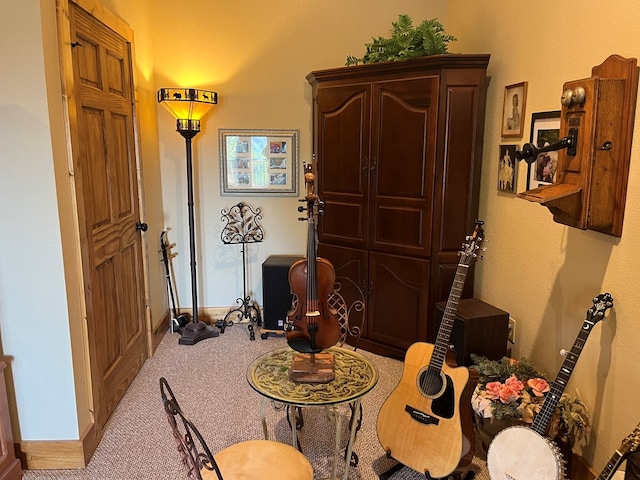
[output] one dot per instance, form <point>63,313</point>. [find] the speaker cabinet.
<point>276,293</point>
<point>478,328</point>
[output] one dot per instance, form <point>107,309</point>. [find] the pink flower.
<point>509,393</point>
<point>539,386</point>
<point>493,389</point>
<point>514,383</point>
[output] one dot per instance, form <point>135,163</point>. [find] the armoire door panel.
<point>461,171</point>
<point>403,149</point>
<point>351,273</point>
<point>343,156</point>
<point>401,226</point>
<point>347,262</point>
<point>398,304</point>
<point>342,222</point>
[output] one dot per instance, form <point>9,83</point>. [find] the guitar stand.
<point>469,475</point>
<point>242,228</point>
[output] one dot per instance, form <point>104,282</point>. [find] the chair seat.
<point>263,459</point>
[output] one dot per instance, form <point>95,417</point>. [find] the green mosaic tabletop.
<point>354,377</point>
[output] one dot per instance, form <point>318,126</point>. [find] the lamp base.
<point>193,332</point>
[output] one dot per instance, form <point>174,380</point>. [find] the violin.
<point>312,325</point>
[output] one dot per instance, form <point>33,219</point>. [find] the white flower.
<point>481,405</point>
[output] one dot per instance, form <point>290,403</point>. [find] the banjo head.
<point>519,453</point>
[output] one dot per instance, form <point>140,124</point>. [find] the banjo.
<point>519,453</point>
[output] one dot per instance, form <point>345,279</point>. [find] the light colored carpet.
<point>209,380</point>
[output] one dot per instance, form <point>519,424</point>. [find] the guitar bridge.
<point>420,416</point>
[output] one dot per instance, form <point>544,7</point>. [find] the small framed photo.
<point>259,162</point>
<point>507,168</point>
<point>545,130</point>
<point>513,107</point>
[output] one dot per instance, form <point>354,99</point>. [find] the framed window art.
<point>545,130</point>
<point>259,162</point>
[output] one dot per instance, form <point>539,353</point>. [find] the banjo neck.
<point>594,315</point>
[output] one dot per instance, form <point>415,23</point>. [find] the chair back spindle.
<point>193,450</point>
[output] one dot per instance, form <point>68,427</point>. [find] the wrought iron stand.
<point>242,228</point>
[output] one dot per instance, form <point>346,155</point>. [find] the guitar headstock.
<point>472,243</point>
<point>601,305</point>
<point>631,442</point>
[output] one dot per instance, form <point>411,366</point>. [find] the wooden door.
<point>108,208</point>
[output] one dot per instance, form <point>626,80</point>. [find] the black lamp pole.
<point>195,330</point>
<point>187,106</point>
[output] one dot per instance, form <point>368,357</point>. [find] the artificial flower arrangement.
<point>511,389</point>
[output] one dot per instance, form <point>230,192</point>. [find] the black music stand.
<point>242,228</point>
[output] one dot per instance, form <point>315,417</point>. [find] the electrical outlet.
<point>511,336</point>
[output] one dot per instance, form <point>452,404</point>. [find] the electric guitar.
<point>519,453</point>
<point>423,423</point>
<point>629,445</point>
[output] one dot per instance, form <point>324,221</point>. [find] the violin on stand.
<point>312,325</point>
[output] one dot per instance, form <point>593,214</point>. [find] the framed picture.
<point>507,168</point>
<point>545,130</point>
<point>515,99</point>
<point>259,162</point>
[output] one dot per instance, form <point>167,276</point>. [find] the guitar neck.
<point>441,345</point>
<point>611,467</point>
<point>550,403</point>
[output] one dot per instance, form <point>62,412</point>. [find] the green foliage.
<point>428,38</point>
<point>499,371</point>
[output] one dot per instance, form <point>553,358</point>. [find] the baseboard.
<point>580,469</point>
<point>160,330</point>
<point>59,454</point>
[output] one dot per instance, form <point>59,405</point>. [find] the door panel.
<point>406,112</point>
<point>398,306</point>
<point>343,113</point>
<point>106,179</point>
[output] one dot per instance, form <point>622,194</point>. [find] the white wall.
<point>543,273</point>
<point>33,308</point>
<point>256,56</point>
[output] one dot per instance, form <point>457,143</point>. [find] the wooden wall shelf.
<point>590,187</point>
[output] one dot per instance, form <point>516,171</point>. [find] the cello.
<point>312,325</point>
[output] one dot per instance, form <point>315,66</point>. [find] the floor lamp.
<point>188,106</point>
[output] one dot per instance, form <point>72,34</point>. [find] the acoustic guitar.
<point>519,453</point>
<point>629,445</point>
<point>423,424</point>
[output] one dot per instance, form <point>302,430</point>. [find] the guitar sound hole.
<point>430,382</point>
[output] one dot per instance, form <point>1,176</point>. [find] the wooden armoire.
<point>398,150</point>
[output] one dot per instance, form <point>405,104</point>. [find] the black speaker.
<point>478,328</point>
<point>276,293</point>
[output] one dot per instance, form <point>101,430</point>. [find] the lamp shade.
<point>187,105</point>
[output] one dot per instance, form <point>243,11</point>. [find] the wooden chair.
<point>264,459</point>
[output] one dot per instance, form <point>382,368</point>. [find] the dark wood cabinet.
<point>398,152</point>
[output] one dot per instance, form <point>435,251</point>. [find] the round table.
<point>355,376</point>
